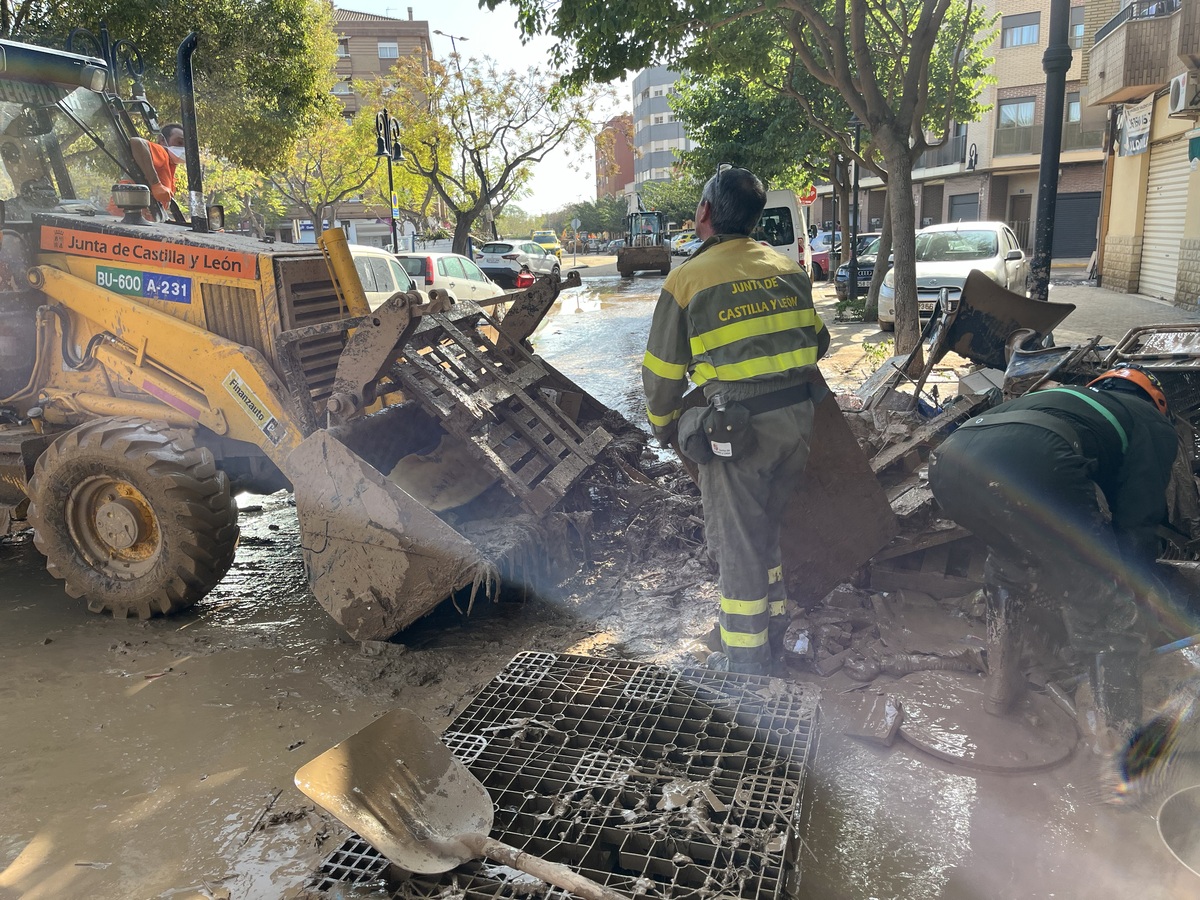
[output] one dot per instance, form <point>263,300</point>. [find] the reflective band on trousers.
<point>744,607</point>
<point>775,575</point>
<point>737,639</point>
<point>778,608</point>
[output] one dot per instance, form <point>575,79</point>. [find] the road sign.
<point>395,206</point>
<point>809,197</point>
<point>575,223</point>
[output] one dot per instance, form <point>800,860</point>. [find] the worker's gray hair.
<point>736,198</point>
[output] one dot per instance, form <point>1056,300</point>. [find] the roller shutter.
<point>1162,227</point>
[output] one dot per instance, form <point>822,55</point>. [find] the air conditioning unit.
<point>1185,94</point>
<point>927,221</point>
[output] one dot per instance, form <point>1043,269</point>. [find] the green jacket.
<point>738,319</point>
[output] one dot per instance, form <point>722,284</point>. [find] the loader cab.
<point>62,146</point>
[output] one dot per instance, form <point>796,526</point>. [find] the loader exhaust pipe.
<point>187,107</point>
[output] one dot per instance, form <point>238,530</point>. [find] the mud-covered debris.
<point>830,664</point>
<point>845,596</point>
<point>878,720</point>
<point>381,648</point>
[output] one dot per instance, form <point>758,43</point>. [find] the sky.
<point>561,178</point>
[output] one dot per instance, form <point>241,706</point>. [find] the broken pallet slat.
<point>906,544</point>
<point>923,434</point>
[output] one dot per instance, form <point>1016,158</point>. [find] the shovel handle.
<point>550,872</point>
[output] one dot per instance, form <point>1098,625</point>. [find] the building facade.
<point>989,169</point>
<point>368,47</point>
<point>657,136</point>
<point>1143,66</point>
<point>614,156</point>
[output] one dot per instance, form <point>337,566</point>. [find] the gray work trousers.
<point>744,500</point>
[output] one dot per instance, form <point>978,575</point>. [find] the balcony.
<point>1027,139</point>
<point>1017,139</point>
<point>951,153</point>
<point>1137,52</point>
<point>1076,137</point>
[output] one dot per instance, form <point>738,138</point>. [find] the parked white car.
<point>380,273</point>
<point>450,272</point>
<point>502,261</point>
<point>947,253</point>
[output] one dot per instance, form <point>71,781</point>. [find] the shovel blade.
<point>401,789</point>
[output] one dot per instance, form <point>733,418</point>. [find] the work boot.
<point>1005,682</point>
<point>712,640</point>
<point>1115,678</point>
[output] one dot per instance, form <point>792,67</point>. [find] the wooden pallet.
<point>948,569</point>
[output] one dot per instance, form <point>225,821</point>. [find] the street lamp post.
<point>852,266</point>
<point>470,121</point>
<point>387,146</point>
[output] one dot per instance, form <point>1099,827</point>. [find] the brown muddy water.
<point>155,759</point>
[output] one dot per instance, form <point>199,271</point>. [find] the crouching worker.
<point>738,318</point>
<point>1066,486</point>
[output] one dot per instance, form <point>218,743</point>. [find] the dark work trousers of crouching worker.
<point>744,501</point>
<point>1029,495</point>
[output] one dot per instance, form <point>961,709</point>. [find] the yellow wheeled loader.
<point>150,369</point>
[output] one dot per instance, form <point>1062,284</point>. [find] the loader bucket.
<point>987,315</point>
<point>377,559</point>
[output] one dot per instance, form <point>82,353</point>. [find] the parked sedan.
<point>502,261</point>
<point>866,269</point>
<point>450,272</point>
<point>946,253</point>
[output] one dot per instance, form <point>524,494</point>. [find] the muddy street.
<point>155,759</point>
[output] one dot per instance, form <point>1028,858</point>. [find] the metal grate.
<point>354,863</point>
<point>653,782</point>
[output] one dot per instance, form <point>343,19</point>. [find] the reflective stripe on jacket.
<point>737,314</point>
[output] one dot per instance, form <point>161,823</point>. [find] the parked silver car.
<point>946,253</point>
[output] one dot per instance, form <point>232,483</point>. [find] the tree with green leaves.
<point>907,71</point>
<point>476,135</point>
<point>263,68</point>
<point>676,198</point>
<point>333,162</point>
<point>246,196</point>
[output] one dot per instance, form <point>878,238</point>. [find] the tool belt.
<point>1034,417</point>
<point>788,396</point>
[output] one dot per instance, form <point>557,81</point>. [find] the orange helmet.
<point>1140,378</point>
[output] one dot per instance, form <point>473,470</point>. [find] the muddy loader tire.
<point>133,516</point>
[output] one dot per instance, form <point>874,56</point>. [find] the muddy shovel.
<point>399,787</point>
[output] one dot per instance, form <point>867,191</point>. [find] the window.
<point>389,50</point>
<point>342,86</point>
<point>1073,108</point>
<point>658,92</point>
<point>343,49</point>
<point>366,274</point>
<point>472,270</point>
<point>658,120</point>
<point>1016,113</point>
<point>405,283</point>
<point>1019,31</point>
<point>451,267</point>
<point>1075,29</point>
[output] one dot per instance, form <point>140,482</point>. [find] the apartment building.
<point>1142,63</point>
<point>657,136</point>
<point>989,169</point>
<point>614,156</point>
<point>368,46</point>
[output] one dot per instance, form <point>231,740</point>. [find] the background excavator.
<point>151,370</point>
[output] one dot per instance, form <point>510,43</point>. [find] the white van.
<point>380,273</point>
<point>784,225</point>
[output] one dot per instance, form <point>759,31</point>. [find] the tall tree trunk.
<point>462,231</point>
<point>871,306</point>
<point>904,241</point>
<point>842,186</point>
